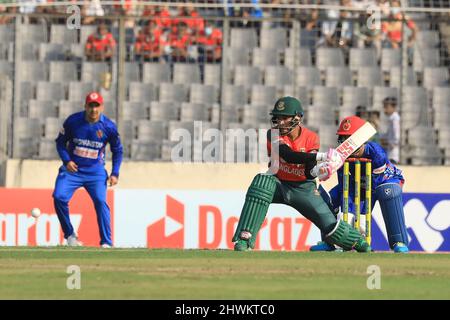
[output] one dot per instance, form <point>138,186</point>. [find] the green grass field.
<point>40,273</point>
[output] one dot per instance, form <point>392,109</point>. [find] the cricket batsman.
<point>81,145</point>
<point>387,182</point>
<point>294,155</point>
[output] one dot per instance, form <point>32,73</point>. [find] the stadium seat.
<point>243,37</point>
<point>52,52</point>
<point>369,77</point>
<point>131,72</point>
<point>33,71</point>
<point>301,93</point>
<point>254,115</point>
<point>396,77</point>
<point>307,77</point>
<point>134,111</point>
<point>193,112</point>
<point>6,68</point>
<point>435,77</point>
<point>354,96</point>
<point>325,96</point>
<point>318,115</point>
<point>145,151</point>
<point>362,58</point>
<point>33,33</point>
<point>172,92</point>
<point>262,57</point>
<point>63,71</point>
<point>427,39</point>
<point>212,75</point>
<point>164,111</point>
<point>237,56</point>
<point>79,90</point>
<point>329,57</point>
<point>47,149</point>
<point>148,131</point>
<point>141,92</point>
<point>185,73</point>
<point>66,108</point>
<point>273,38</point>
<point>441,96</point>
<point>234,95</point>
<point>110,109</point>
<point>278,76</point>
<point>263,95</point>
<point>77,52</point>
<point>247,76</point>
<point>52,127</point>
<point>156,73</point>
<point>328,138</point>
<point>390,58</point>
<point>93,71</point>
<point>39,109</point>
<point>6,33</point>
<point>200,93</point>
<point>425,57</point>
<point>63,35</point>
<point>46,91</point>
<point>415,95</point>
<point>444,138</point>
<point>338,77</point>
<point>380,93</point>
<point>297,58</point>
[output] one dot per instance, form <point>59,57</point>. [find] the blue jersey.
<point>383,171</point>
<point>84,143</point>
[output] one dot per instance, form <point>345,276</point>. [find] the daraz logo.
<point>168,232</point>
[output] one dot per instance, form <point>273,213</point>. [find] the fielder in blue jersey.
<point>387,182</point>
<point>81,146</point>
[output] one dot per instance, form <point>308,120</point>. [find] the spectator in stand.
<point>390,138</point>
<point>7,19</point>
<point>91,10</point>
<point>338,31</point>
<point>176,44</point>
<point>210,44</point>
<point>148,43</point>
<point>393,29</point>
<point>191,18</point>
<point>100,46</point>
<point>367,35</point>
<point>160,14</point>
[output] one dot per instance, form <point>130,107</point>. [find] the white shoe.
<point>106,246</point>
<point>72,241</point>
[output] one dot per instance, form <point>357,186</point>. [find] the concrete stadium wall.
<point>198,176</point>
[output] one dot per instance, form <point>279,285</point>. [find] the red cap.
<point>94,97</point>
<point>349,126</point>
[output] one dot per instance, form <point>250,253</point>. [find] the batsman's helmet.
<point>287,106</point>
<point>349,126</point>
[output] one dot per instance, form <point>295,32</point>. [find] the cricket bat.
<point>356,140</point>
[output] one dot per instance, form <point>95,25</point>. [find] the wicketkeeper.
<point>387,182</point>
<point>289,181</point>
<point>81,146</point>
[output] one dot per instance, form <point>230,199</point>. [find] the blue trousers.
<point>94,180</point>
